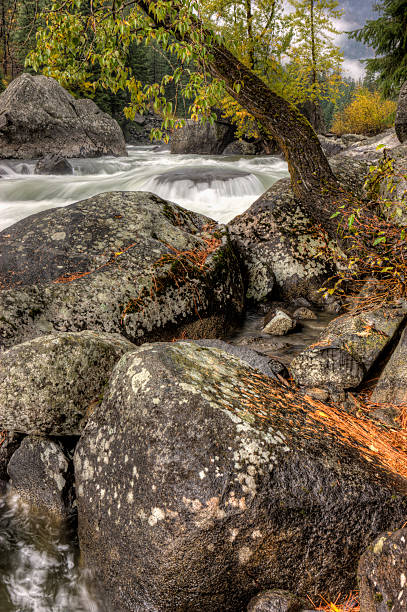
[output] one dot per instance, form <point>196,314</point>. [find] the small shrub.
<point>369,113</point>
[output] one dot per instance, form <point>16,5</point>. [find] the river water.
<point>220,187</point>
<point>39,561</point>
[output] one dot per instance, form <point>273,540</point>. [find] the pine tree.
<point>388,37</point>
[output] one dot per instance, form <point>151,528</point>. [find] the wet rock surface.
<point>206,464</point>
<point>347,349</point>
<point>9,443</point>
<point>50,384</point>
<point>53,164</point>
<point>119,263</point>
<point>39,117</point>
<point>382,574</point>
<point>401,115</point>
<point>278,323</point>
<point>38,472</point>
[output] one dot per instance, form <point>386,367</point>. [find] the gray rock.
<point>391,387</point>
<point>38,471</point>
<point>9,442</point>
<point>50,385</point>
<point>53,164</point>
<point>279,324</point>
<point>198,481</point>
<point>206,139</point>
<point>382,574</point>
<point>276,601</point>
<point>401,115</point>
<point>279,246</point>
<point>240,147</point>
<point>262,363</point>
<point>331,146</point>
<point>347,349</point>
<point>304,314</point>
<point>39,117</point>
<point>118,263</point>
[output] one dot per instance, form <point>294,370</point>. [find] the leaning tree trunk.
<point>313,181</point>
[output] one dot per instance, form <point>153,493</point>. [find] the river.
<point>220,187</point>
<point>39,568</point>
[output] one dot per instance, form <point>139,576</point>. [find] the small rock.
<point>276,601</point>
<point>53,164</point>
<point>279,324</point>
<point>321,395</point>
<point>304,314</point>
<point>386,415</point>
<point>38,471</point>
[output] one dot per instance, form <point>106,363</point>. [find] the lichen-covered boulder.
<point>121,262</point>
<point>38,472</point>
<point>391,387</point>
<point>382,574</point>
<point>401,115</point>
<point>50,384</point>
<point>39,117</point>
<point>347,348</point>
<point>280,248</point>
<point>201,482</point>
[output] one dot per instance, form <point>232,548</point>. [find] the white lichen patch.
<point>140,380</point>
<point>157,514</point>
<point>244,554</point>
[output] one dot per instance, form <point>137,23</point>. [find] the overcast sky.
<point>356,13</point>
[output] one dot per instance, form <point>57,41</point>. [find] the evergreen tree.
<point>388,37</point>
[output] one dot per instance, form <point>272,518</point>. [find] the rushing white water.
<point>39,570</point>
<point>220,187</point>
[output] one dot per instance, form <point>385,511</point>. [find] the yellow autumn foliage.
<point>369,113</point>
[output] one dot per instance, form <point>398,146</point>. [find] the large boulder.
<point>39,117</point>
<point>203,139</point>
<point>38,472</point>
<point>50,384</point>
<point>201,482</point>
<point>128,263</point>
<point>383,574</point>
<point>280,247</point>
<point>401,115</point>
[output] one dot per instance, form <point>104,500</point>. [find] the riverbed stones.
<point>279,323</point>
<point>50,384</point>
<point>39,117</point>
<point>391,387</point>
<point>347,349</point>
<point>121,262</point>
<point>200,483</point>
<point>382,574</point>
<point>53,164</point>
<point>38,472</point>
<point>401,115</point>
